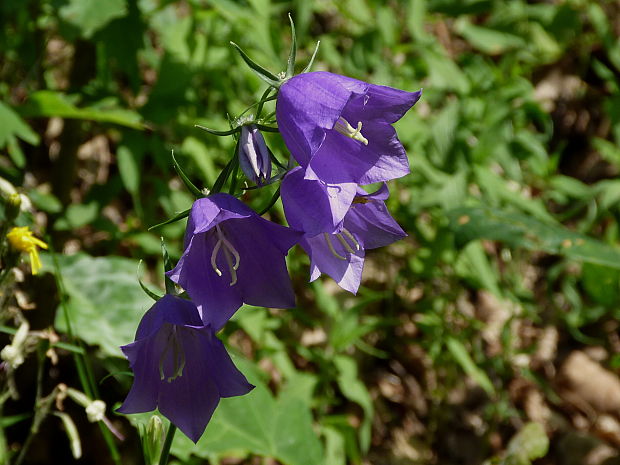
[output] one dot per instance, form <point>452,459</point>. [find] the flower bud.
<point>152,440</point>
<point>13,354</point>
<point>254,155</point>
<point>95,411</point>
<point>12,205</point>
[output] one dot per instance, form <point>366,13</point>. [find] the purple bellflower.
<point>180,367</point>
<point>340,129</point>
<point>254,155</point>
<point>233,256</point>
<point>338,248</point>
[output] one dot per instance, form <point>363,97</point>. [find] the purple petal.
<point>372,225</point>
<point>189,400</point>
<point>347,273</point>
<point>208,212</point>
<point>342,159</point>
<point>212,294</point>
<point>313,206</point>
<point>263,278</point>
<point>230,381</point>
<point>382,103</point>
<point>143,355</point>
<point>307,105</point>
<point>253,155</point>
<point>170,309</point>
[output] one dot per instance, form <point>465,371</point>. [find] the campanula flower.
<point>22,239</point>
<point>253,155</point>
<point>180,367</point>
<point>338,248</point>
<point>340,129</point>
<point>233,256</point>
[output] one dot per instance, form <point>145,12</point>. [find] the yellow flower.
<point>22,239</point>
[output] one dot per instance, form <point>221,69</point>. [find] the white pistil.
<point>331,247</point>
<point>229,253</point>
<point>343,127</point>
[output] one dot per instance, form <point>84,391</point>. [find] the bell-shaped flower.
<point>340,129</point>
<point>254,155</point>
<point>180,367</point>
<point>338,248</point>
<point>233,256</point>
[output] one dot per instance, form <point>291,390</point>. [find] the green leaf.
<point>601,283</point>
<point>460,354</point>
<point>529,444</point>
<point>519,230</point>
<point>12,127</point>
<point>7,421</point>
<point>260,424</point>
<point>353,389</point>
<point>103,299</point>
<point>89,16</point>
<point>489,41</point>
<point>129,169</point>
<point>47,103</point>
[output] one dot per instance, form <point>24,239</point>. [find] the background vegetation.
<point>500,309</point>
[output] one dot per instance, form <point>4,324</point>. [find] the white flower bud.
<point>12,355</point>
<point>95,411</point>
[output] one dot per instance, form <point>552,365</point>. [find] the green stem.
<point>85,373</point>
<point>165,451</point>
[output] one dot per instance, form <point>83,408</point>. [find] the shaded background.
<point>501,307</point>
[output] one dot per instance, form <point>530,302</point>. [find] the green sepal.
<point>274,198</point>
<point>170,287</point>
<point>290,64</point>
<point>311,62</point>
<point>146,290</point>
<point>192,188</point>
<point>218,133</point>
<point>235,170</point>
<point>261,72</point>
<point>223,177</point>
<point>180,216</point>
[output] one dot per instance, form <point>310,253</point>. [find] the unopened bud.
<point>12,355</point>
<point>95,411</point>
<point>153,440</point>
<point>254,158</point>
<point>12,205</point>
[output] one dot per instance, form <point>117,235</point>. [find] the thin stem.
<point>259,108</point>
<point>165,450</point>
<point>85,373</point>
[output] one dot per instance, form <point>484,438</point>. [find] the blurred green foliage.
<point>514,193</point>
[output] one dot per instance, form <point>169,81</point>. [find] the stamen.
<point>331,247</point>
<point>344,243</point>
<point>229,253</point>
<point>216,249</point>
<point>343,127</point>
<point>347,233</point>
<point>231,267</point>
<point>178,357</point>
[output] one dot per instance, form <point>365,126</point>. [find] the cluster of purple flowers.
<point>340,132</point>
